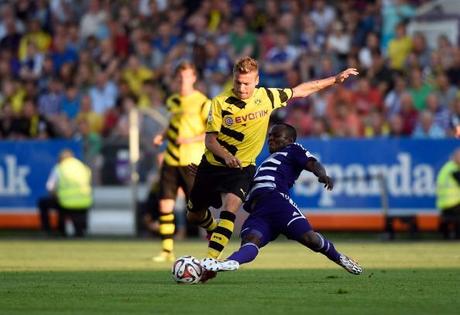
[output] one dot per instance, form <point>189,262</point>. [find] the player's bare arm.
<point>316,168</point>
<point>214,146</point>
<point>307,88</point>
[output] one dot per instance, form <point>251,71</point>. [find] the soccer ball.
<point>187,270</point>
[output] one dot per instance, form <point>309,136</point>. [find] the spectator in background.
<point>13,93</point>
<point>6,121</point>
<point>399,48</point>
<point>300,119</point>
<point>454,119</point>
<point>36,35</point>
<point>311,39</point>
<point>408,114</point>
<point>32,64</point>
<point>49,103</point>
<point>392,102</point>
<point>448,196</point>
<point>46,76</point>
<point>380,75</point>
<point>320,128</point>
<point>92,20</point>
<point>439,111</point>
<point>145,54</point>
<point>446,51</point>
<point>396,127</point>
<point>288,23</point>
<point>266,39</point>
<point>70,103</point>
<point>427,128</point>
<point>12,38</point>
<point>67,74</point>
<point>375,125</point>
<point>346,122</point>
<point>394,12</point>
<point>62,53</point>
<point>445,91</point>
<point>366,98</point>
<point>279,60</point>
<point>92,144</point>
<point>217,68</point>
<point>134,73</point>
<point>419,89</point>
<point>8,16</point>
<point>453,73</point>
<point>34,125</point>
<point>367,52</point>
<point>69,185</point>
<point>163,43</point>
<point>420,55</point>
<point>322,15</point>
<point>339,43</point>
<point>94,120</point>
<point>103,93</point>
<point>107,60</point>
<point>242,41</point>
<point>255,18</point>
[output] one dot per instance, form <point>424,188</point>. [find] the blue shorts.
<point>275,213</point>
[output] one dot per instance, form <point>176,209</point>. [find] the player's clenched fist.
<point>327,181</point>
<point>232,161</point>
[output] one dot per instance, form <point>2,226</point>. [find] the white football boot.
<point>350,265</point>
<point>212,264</point>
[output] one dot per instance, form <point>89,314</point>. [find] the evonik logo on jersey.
<point>250,116</point>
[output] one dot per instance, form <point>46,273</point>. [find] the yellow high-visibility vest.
<point>447,188</point>
<point>74,184</point>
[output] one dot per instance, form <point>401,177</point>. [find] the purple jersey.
<point>280,170</point>
<point>271,209</point>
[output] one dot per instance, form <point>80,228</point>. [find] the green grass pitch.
<point>118,277</point>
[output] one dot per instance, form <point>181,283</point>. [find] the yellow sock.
<point>222,234</point>
<point>167,229</point>
<point>167,245</point>
<point>208,223</point>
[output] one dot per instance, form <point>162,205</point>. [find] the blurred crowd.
<point>74,69</point>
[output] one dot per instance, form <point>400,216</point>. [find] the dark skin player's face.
<point>278,138</point>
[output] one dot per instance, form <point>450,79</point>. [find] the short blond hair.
<point>245,65</point>
<point>185,65</point>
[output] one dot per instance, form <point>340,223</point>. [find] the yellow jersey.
<point>242,124</point>
<point>188,119</point>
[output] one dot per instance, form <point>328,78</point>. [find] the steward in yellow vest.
<point>74,184</point>
<point>448,195</point>
<point>70,190</point>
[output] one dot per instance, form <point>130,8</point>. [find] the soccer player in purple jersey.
<point>271,210</point>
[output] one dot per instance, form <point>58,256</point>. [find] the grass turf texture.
<point>118,277</point>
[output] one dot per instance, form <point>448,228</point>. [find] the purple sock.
<point>328,249</point>
<point>247,253</point>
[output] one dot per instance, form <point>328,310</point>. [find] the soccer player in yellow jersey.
<point>185,134</point>
<point>235,134</point>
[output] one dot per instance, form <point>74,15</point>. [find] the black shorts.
<point>173,177</point>
<point>213,180</point>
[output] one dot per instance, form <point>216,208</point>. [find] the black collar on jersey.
<point>235,101</point>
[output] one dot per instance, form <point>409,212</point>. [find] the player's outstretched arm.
<point>318,169</point>
<point>307,88</point>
